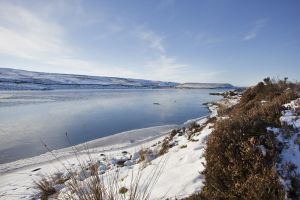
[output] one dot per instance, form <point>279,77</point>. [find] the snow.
<point>289,165</point>
<point>188,160</point>
<point>204,85</point>
<point>263,150</point>
<point>13,79</point>
<point>226,102</point>
<point>181,165</point>
<point>105,144</point>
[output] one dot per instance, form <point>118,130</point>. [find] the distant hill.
<point>204,85</point>
<point>15,79</point>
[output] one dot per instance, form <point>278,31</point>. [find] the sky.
<point>232,41</point>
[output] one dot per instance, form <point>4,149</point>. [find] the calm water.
<point>27,117</point>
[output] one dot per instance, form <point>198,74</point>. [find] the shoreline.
<point>115,142</point>
<point>17,177</point>
<point>175,108</point>
<point>125,88</point>
<point>94,145</point>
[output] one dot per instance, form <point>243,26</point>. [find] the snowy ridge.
<point>14,79</point>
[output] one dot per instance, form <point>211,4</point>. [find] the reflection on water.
<point>29,117</point>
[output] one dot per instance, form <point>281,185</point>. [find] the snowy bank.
<point>181,153</point>
<point>289,138</point>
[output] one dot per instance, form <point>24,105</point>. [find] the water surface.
<point>30,118</point>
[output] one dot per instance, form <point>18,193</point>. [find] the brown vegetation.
<point>45,186</point>
<point>89,183</point>
<point>96,186</point>
<point>236,168</point>
<point>166,145</point>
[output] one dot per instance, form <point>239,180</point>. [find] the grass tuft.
<point>45,186</point>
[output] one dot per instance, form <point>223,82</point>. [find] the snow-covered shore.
<point>110,143</point>
<point>186,154</point>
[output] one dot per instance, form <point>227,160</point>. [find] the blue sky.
<point>234,41</point>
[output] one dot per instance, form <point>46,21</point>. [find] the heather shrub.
<point>237,167</point>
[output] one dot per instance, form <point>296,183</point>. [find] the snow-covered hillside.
<point>15,79</point>
<point>11,79</point>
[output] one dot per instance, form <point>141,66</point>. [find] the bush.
<point>123,190</point>
<point>165,146</point>
<point>236,168</point>
<point>45,186</point>
<point>183,146</point>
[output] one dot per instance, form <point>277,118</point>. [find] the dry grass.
<point>90,184</point>
<point>223,109</point>
<point>109,187</point>
<point>236,167</point>
<point>166,145</point>
<point>183,146</point>
<point>196,196</point>
<point>297,109</point>
<point>45,186</point>
<point>96,186</point>
<point>47,183</point>
<point>195,128</point>
<point>192,129</point>
<point>146,155</point>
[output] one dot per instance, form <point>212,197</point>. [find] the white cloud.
<point>169,69</point>
<point>203,39</point>
<point>36,39</point>
<point>164,4</point>
<point>165,68</point>
<point>250,36</point>
<point>151,38</point>
<point>109,30</point>
<point>24,34</point>
<point>206,40</point>
<point>162,66</point>
<point>256,27</point>
<point>79,66</point>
